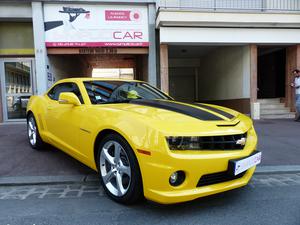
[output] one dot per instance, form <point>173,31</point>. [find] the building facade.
<point>45,41</point>
<point>236,53</point>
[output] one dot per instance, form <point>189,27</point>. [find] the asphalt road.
<point>267,200</point>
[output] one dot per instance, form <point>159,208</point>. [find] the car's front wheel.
<point>34,137</point>
<point>119,170</point>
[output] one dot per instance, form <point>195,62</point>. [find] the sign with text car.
<point>83,25</point>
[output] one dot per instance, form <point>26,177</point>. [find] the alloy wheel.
<point>115,168</point>
<point>32,131</point>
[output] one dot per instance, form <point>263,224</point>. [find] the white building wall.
<point>189,35</point>
<point>224,74</point>
<point>246,71</point>
<point>152,75</point>
<point>15,10</point>
<point>221,74</point>
<point>40,48</point>
<point>182,72</point>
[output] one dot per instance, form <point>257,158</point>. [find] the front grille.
<point>226,142</point>
<point>215,178</point>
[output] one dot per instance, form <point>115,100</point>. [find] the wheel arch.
<point>39,123</point>
<point>28,113</point>
<point>104,132</point>
<point>97,141</point>
<point>101,134</point>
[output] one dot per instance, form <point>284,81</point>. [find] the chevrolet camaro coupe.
<point>142,142</point>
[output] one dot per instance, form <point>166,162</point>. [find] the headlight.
<point>221,142</point>
<point>183,143</point>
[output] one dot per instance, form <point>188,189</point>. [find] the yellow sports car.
<point>142,142</point>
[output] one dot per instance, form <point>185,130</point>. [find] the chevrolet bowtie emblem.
<point>241,141</point>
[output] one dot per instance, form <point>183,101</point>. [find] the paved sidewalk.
<point>19,159</point>
<point>279,141</point>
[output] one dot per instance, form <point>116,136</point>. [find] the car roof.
<point>96,78</point>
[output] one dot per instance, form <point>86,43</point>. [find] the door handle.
<point>50,107</point>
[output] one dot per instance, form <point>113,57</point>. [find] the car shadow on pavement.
<point>204,207</point>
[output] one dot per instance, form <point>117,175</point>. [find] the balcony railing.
<point>234,5</point>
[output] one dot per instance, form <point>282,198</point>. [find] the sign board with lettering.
<point>84,25</point>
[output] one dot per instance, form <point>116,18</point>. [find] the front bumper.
<point>157,169</point>
<point>183,195</point>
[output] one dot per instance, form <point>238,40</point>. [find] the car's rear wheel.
<point>119,170</point>
<point>34,137</point>
<point>16,107</point>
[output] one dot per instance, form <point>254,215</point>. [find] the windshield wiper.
<point>117,101</point>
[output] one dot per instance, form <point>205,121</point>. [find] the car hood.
<point>173,117</point>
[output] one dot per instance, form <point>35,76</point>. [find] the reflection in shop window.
<point>123,73</point>
<point>18,88</point>
<point>17,77</point>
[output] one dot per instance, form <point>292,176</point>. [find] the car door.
<point>63,120</point>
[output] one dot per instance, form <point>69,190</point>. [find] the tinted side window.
<point>100,91</point>
<point>64,87</point>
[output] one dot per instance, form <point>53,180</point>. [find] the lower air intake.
<point>215,178</point>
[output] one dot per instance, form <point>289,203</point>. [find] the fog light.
<point>173,177</point>
<point>177,178</point>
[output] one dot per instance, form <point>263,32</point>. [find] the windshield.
<point>101,92</point>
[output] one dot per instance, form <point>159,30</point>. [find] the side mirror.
<point>68,98</point>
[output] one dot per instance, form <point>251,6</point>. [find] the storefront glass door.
<point>16,86</point>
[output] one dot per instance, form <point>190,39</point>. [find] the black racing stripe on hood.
<point>228,115</point>
<point>179,108</point>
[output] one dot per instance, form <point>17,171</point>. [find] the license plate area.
<point>238,166</point>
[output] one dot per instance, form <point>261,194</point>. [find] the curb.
<point>13,123</point>
<point>93,178</point>
<point>44,180</point>
<point>277,169</point>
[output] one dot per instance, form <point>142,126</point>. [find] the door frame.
<point>3,88</point>
<point>293,62</point>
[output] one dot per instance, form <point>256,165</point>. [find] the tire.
<point>34,138</point>
<point>16,107</point>
<point>119,173</point>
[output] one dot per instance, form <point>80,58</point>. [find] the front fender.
<point>135,129</point>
